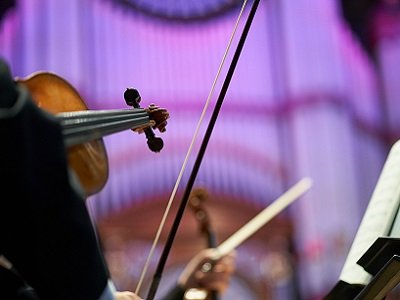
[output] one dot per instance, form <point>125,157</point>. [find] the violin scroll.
<point>196,203</point>
<point>158,115</point>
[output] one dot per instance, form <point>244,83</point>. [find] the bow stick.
<point>179,214</point>
<point>173,193</point>
<point>263,217</point>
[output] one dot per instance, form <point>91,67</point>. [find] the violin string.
<point>173,193</point>
<point>84,126</point>
<point>76,121</point>
<point>71,115</point>
<point>74,135</point>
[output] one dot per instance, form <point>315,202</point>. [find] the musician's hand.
<point>203,272</point>
<point>126,296</point>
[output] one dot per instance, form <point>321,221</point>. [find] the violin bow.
<point>179,214</point>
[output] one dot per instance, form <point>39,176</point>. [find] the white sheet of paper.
<point>378,218</point>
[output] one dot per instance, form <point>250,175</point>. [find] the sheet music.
<point>395,231</point>
<point>378,218</point>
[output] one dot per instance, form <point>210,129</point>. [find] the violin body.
<point>54,95</point>
<point>83,129</point>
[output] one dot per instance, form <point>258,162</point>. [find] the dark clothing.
<point>176,293</point>
<point>14,287</point>
<point>45,228</point>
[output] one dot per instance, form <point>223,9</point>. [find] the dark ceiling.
<point>356,12</point>
<point>5,5</point>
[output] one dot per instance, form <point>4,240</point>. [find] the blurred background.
<point>314,94</point>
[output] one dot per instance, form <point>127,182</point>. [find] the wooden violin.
<point>196,203</point>
<point>83,129</point>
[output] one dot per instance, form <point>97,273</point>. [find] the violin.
<point>84,129</point>
<point>196,204</point>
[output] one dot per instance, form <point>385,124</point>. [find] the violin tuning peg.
<point>132,97</point>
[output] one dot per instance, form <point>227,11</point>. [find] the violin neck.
<point>84,126</point>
